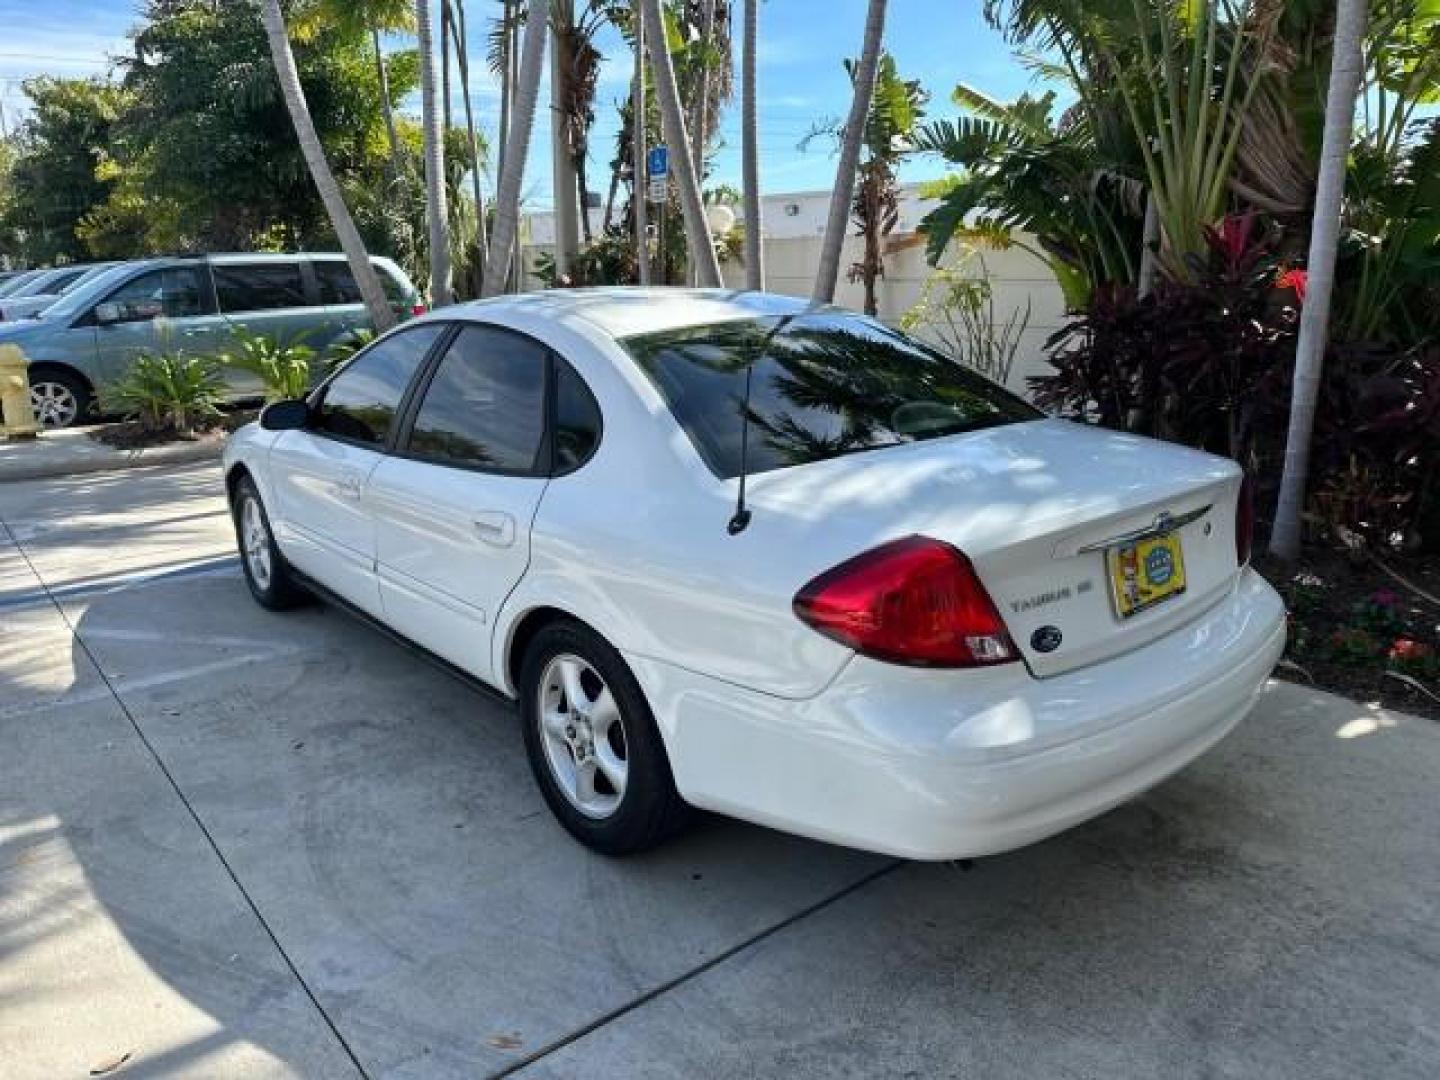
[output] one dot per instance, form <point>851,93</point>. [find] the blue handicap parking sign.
<point>658,161</point>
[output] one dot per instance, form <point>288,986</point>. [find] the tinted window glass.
<point>823,385</point>
<point>337,284</point>
<point>172,293</point>
<point>486,405</point>
<point>577,420</point>
<point>259,286</point>
<point>360,403</point>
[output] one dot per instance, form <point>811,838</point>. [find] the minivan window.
<point>171,293</point>
<point>259,286</point>
<point>485,405</point>
<point>337,284</point>
<point>823,384</point>
<point>360,402</point>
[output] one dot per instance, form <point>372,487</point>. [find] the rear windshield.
<point>823,384</point>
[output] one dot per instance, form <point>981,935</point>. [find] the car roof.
<point>628,311</point>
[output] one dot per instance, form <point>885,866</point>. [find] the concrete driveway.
<point>242,844</point>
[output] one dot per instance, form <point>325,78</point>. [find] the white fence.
<point>1016,278</point>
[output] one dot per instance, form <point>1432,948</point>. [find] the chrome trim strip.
<point>1164,523</point>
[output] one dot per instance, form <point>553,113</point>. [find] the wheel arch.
<point>237,472</point>
<point>521,632</point>
<point>60,367</point>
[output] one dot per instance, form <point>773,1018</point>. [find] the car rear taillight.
<point>1244,521</point>
<point>912,601</point>
<point>418,309</point>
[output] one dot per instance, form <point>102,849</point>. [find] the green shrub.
<point>284,368</point>
<point>167,392</point>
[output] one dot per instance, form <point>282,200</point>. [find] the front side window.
<point>823,384</point>
<point>171,293</point>
<point>485,407</point>
<point>266,286</point>
<point>360,403</point>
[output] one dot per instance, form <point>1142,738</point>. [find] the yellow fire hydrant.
<point>19,418</point>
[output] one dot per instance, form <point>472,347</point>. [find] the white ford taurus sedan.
<point>729,551</point>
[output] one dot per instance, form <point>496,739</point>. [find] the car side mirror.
<point>289,415</point>
<point>108,314</point>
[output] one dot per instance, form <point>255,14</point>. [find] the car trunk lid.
<point>1039,508</point>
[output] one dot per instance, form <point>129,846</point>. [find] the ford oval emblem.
<point>1046,639</point>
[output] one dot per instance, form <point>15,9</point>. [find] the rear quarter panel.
<point>635,544</point>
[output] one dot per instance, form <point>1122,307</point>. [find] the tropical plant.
<point>284,367</point>
<point>370,18</point>
<point>896,109</point>
<point>167,392</point>
<point>1023,172</point>
<point>517,150</point>
<point>358,258</point>
<point>827,273</point>
<point>956,311</point>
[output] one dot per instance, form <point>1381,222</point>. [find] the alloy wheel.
<point>54,404</point>
<point>583,735</point>
<point>255,539</point>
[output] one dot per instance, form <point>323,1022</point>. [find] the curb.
<point>109,460</point>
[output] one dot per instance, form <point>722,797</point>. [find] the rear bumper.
<point>942,765</point>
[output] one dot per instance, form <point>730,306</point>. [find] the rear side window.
<point>360,403</point>
<point>337,284</point>
<point>485,406</point>
<point>577,420</point>
<point>823,385</point>
<point>259,286</point>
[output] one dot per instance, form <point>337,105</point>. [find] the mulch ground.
<point>132,435</point>
<point>1362,627</point>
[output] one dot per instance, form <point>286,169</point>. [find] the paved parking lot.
<point>242,844</point>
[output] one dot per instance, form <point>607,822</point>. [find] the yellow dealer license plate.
<point>1146,573</point>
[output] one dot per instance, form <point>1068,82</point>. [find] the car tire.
<point>271,581</point>
<point>585,715</point>
<point>59,399</point>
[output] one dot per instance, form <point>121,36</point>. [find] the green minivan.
<point>190,304</point>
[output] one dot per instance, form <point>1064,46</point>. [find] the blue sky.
<point>801,77</point>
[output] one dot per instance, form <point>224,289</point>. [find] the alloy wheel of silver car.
<point>255,540</point>
<point>583,734</point>
<point>54,404</point>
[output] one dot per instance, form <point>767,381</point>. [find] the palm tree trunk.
<point>505,87</point>
<point>462,59</point>
<point>522,121</point>
<point>835,224</point>
<point>639,208</point>
<point>562,162</point>
<point>387,107</point>
<point>381,315</point>
<point>1345,68</point>
<point>750,152</point>
<point>436,212</point>
<point>700,107</point>
<point>697,233</point>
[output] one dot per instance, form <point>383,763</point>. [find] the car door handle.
<point>494,527</point>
